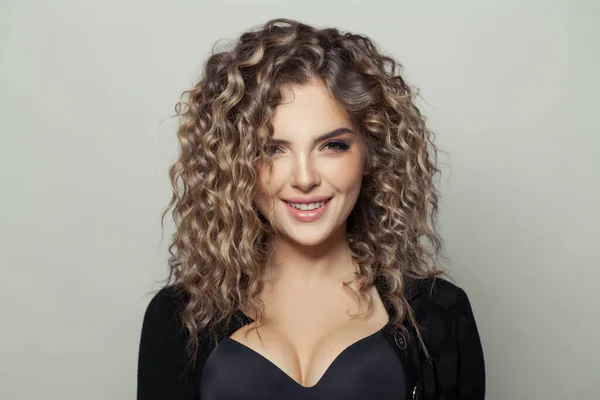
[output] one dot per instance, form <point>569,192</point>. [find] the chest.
<point>303,336</point>
<point>367,369</point>
<point>419,377</point>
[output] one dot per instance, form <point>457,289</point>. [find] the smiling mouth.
<point>307,206</point>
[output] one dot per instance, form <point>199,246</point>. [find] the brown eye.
<point>337,146</point>
<point>270,150</point>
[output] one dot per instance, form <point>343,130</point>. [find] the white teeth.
<point>307,207</point>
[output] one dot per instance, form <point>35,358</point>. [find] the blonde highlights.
<point>219,250</point>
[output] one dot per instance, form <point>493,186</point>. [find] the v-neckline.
<point>327,370</point>
<point>410,290</point>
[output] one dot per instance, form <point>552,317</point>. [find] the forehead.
<point>308,110</point>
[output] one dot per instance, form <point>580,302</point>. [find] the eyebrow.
<point>329,135</point>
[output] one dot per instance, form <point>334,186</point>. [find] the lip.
<point>307,199</point>
<point>308,216</point>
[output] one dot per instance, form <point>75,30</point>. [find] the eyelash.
<point>342,146</point>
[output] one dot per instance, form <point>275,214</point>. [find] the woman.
<point>304,200</point>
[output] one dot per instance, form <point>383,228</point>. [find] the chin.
<point>308,239</point>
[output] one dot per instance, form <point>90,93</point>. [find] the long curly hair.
<point>219,251</point>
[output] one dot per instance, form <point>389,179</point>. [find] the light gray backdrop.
<point>87,89</point>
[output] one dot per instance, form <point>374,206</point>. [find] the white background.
<point>87,94</point>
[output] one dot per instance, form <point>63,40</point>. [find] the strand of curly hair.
<point>219,251</point>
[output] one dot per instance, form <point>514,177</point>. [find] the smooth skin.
<point>306,306</point>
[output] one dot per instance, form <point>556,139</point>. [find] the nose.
<point>305,174</point>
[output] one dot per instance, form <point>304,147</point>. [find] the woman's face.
<point>318,165</point>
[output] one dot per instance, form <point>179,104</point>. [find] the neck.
<point>329,261</point>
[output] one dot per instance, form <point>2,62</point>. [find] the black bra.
<point>367,369</point>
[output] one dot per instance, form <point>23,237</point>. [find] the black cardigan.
<point>456,370</point>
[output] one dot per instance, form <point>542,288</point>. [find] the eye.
<point>337,146</point>
<point>270,150</point>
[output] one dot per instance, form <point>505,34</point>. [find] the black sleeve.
<point>471,367</point>
<point>163,372</point>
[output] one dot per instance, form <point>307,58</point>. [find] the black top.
<point>367,369</point>
<point>454,371</point>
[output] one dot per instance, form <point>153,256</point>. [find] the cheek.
<point>263,182</point>
<point>262,200</point>
<point>269,184</point>
<point>347,174</point>
<point>262,177</point>
<point>275,177</point>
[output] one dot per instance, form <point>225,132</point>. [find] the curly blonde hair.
<point>219,250</point>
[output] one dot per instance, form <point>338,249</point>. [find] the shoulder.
<point>163,310</point>
<point>163,334</point>
<point>439,293</point>
<point>449,330</point>
<point>441,306</point>
<point>447,322</point>
<point>166,303</point>
<point>163,365</point>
